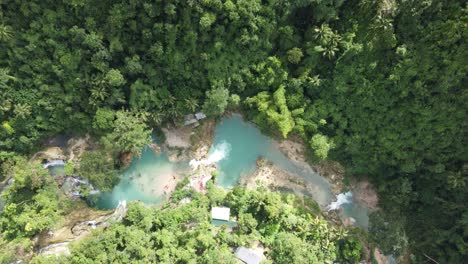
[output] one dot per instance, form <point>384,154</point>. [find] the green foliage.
<point>234,100</point>
<point>267,75</point>
<point>32,202</point>
<point>103,119</point>
<point>381,80</point>
<point>98,167</point>
<point>8,128</point>
<point>184,233</point>
<point>216,101</point>
<point>69,168</point>
<point>289,248</point>
<point>351,250</point>
<point>115,78</point>
<point>15,250</point>
<point>6,32</point>
<point>320,145</point>
<point>273,110</point>
<point>129,133</point>
<point>295,55</point>
<point>387,231</point>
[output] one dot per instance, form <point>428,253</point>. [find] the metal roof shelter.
<point>200,115</point>
<point>190,119</point>
<point>220,213</point>
<point>248,256</point>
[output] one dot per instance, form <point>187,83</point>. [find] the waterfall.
<point>52,246</point>
<point>54,163</point>
<point>342,198</point>
<point>120,211</point>
<point>73,184</point>
<point>7,184</point>
<point>220,152</point>
<point>2,200</point>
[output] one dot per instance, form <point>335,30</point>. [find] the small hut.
<point>220,217</point>
<point>248,256</point>
<point>220,213</point>
<point>190,119</point>
<point>200,116</point>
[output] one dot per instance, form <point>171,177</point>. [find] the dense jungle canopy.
<point>378,85</point>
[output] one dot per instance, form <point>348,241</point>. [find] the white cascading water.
<point>220,152</point>
<point>120,211</point>
<point>342,198</point>
<point>54,163</point>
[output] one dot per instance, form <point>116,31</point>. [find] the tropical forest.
<point>234,131</point>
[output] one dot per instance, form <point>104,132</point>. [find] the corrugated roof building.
<point>248,256</point>
<point>200,115</point>
<point>220,213</point>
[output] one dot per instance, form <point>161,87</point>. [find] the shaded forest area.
<point>376,85</point>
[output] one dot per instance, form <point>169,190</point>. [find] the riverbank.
<point>71,150</point>
<point>334,172</point>
<point>188,142</point>
<point>238,145</point>
<point>77,225</point>
<point>274,178</point>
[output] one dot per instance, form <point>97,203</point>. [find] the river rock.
<point>334,172</point>
<point>173,157</point>
<point>59,249</point>
<point>125,158</point>
<point>56,243</point>
<point>72,186</point>
<point>366,195</point>
<point>269,175</point>
<point>349,221</point>
<point>50,153</point>
<point>381,258</point>
<point>293,149</point>
<point>155,148</point>
<point>177,137</point>
<point>77,146</point>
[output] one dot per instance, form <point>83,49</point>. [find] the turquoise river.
<point>241,144</point>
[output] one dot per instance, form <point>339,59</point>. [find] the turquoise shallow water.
<point>242,144</point>
<point>357,211</point>
<point>57,170</point>
<point>246,145</point>
<point>144,180</point>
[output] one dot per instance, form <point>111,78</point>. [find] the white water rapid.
<point>54,163</point>
<point>342,198</point>
<point>220,152</point>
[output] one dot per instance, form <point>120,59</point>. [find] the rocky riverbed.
<point>77,225</point>
<point>194,143</point>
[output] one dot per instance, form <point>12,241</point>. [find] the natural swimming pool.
<point>237,146</point>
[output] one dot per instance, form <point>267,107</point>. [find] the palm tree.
<point>322,32</point>
<point>329,51</point>
<point>6,32</point>
<point>157,118</point>
<point>98,93</point>
<point>5,77</point>
<point>170,100</point>
<point>315,80</point>
<point>191,103</point>
<point>335,39</point>
<point>382,23</point>
<point>22,110</point>
<point>173,112</point>
<point>341,233</point>
<point>456,180</point>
